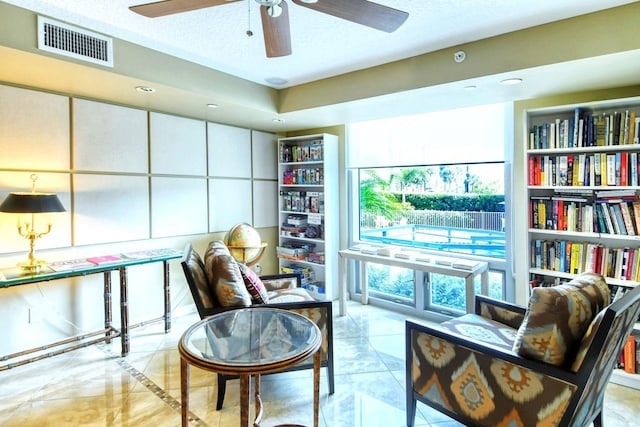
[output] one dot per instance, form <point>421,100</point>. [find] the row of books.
<point>576,257</point>
<point>303,201</point>
<point>313,151</point>
<point>307,274</point>
<point>308,231</point>
<point>303,176</point>
<point>630,356</point>
<point>299,251</point>
<point>584,170</point>
<point>585,129</point>
<point>565,213</point>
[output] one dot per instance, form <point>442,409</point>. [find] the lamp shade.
<point>31,203</point>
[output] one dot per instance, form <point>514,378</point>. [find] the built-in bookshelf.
<point>308,211</point>
<point>583,195</point>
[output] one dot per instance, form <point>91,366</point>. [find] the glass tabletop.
<point>251,337</point>
<point>12,276</point>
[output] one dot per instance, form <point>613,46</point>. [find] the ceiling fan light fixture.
<point>268,3</point>
<point>309,1</point>
<point>274,11</point>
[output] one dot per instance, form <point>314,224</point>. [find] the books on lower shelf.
<point>606,213</point>
<point>573,257</point>
<point>630,356</point>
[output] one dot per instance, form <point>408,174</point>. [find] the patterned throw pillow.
<point>558,317</point>
<point>254,285</point>
<point>224,277</point>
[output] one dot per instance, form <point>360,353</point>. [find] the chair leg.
<point>222,388</point>
<point>332,386</point>
<point>411,408</point>
<point>597,422</point>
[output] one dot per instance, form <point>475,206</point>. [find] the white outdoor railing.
<point>456,219</point>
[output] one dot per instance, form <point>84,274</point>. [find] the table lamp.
<point>31,203</point>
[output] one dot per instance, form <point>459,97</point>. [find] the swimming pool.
<point>456,240</point>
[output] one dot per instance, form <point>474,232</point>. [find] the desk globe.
<point>245,244</point>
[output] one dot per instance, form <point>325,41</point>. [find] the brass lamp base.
<point>34,266</point>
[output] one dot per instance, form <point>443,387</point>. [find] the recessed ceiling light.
<point>279,121</point>
<point>212,105</point>
<point>511,81</point>
<point>278,81</point>
<point>146,89</point>
<point>470,88</point>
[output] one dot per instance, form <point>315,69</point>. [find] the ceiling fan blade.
<point>170,7</point>
<point>363,12</point>
<point>277,35</point>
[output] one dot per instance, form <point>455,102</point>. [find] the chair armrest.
<point>464,344</point>
<point>504,312</point>
<point>274,282</point>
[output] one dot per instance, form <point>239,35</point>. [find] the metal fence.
<point>456,219</point>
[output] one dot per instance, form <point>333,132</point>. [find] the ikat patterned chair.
<point>220,284</point>
<point>507,365</point>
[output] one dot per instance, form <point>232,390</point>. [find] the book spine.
<point>630,355</point>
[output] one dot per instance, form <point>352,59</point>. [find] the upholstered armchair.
<point>220,284</point>
<point>507,365</point>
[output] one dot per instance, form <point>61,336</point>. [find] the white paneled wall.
<point>109,138</point>
<point>179,145</point>
<point>130,180</point>
<point>125,174</point>
<point>34,130</point>
<point>110,208</point>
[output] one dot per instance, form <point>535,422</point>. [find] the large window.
<point>432,183</point>
<point>453,208</point>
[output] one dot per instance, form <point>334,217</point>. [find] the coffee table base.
<point>245,395</point>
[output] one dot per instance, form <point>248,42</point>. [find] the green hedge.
<point>454,202</point>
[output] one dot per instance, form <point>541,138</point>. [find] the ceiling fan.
<point>275,16</point>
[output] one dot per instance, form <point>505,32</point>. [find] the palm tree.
<point>408,176</point>
<point>374,197</point>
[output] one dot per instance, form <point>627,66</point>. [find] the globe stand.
<point>244,250</point>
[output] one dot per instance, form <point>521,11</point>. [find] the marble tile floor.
<point>95,387</point>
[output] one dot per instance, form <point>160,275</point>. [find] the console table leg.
<point>364,282</point>
<point>124,311</point>
<point>167,298</point>
<point>108,322</point>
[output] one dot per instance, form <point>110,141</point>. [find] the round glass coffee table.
<point>246,342</point>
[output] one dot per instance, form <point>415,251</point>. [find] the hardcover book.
<point>104,259</point>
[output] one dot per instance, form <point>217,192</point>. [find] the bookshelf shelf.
<point>585,235</point>
<point>626,379</point>
<point>308,211</point>
<point>583,196</point>
<point>591,149</point>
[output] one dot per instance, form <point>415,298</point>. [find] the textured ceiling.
<point>323,45</point>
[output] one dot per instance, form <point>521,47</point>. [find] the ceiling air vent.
<point>67,40</point>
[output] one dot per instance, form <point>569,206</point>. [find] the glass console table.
<point>14,276</point>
